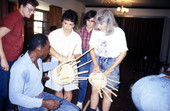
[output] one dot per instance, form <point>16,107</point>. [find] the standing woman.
<point>110,48</point>
<point>85,34</point>
<point>63,41</point>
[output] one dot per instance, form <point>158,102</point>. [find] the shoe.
<point>80,105</point>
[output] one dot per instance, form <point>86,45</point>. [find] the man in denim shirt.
<point>26,89</point>
<point>151,93</point>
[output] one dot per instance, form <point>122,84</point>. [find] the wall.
<point>43,6</point>
<point>65,4</point>
<point>166,42</point>
<point>3,9</point>
<point>141,12</point>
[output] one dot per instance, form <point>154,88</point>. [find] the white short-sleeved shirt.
<point>108,45</point>
<point>64,46</point>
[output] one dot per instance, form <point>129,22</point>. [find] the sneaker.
<point>80,105</point>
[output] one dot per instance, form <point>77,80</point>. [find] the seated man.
<point>151,93</point>
<point>26,89</point>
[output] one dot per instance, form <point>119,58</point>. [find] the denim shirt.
<point>151,93</point>
<point>25,81</point>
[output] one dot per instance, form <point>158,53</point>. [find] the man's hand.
<point>4,64</point>
<point>51,104</point>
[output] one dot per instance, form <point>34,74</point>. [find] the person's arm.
<point>78,48</point>
<point>4,63</point>
<point>116,63</point>
<point>60,57</point>
<point>17,81</point>
<point>19,76</point>
<point>49,65</point>
<point>95,63</point>
<point>122,49</point>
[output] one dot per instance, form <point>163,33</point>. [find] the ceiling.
<point>152,4</point>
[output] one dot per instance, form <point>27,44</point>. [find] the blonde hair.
<point>106,16</point>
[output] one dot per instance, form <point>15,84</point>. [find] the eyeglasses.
<point>30,10</point>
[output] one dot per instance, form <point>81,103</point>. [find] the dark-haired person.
<point>85,34</point>
<point>11,44</point>
<point>25,86</point>
<point>63,41</point>
<point>52,28</point>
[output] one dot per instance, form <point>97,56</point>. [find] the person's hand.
<point>62,59</point>
<point>108,72</point>
<point>72,57</point>
<point>4,64</point>
<point>96,69</point>
<point>51,104</point>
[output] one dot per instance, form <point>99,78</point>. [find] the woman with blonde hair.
<point>110,48</point>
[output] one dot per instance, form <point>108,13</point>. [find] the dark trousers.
<point>5,104</point>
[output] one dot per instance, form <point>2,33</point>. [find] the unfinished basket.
<point>63,74</point>
<point>100,82</point>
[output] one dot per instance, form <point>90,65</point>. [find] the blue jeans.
<point>65,106</point>
<point>152,93</point>
<point>83,83</point>
<point>4,88</point>
<point>104,64</point>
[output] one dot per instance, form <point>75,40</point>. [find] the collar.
<point>28,59</point>
<point>19,14</point>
